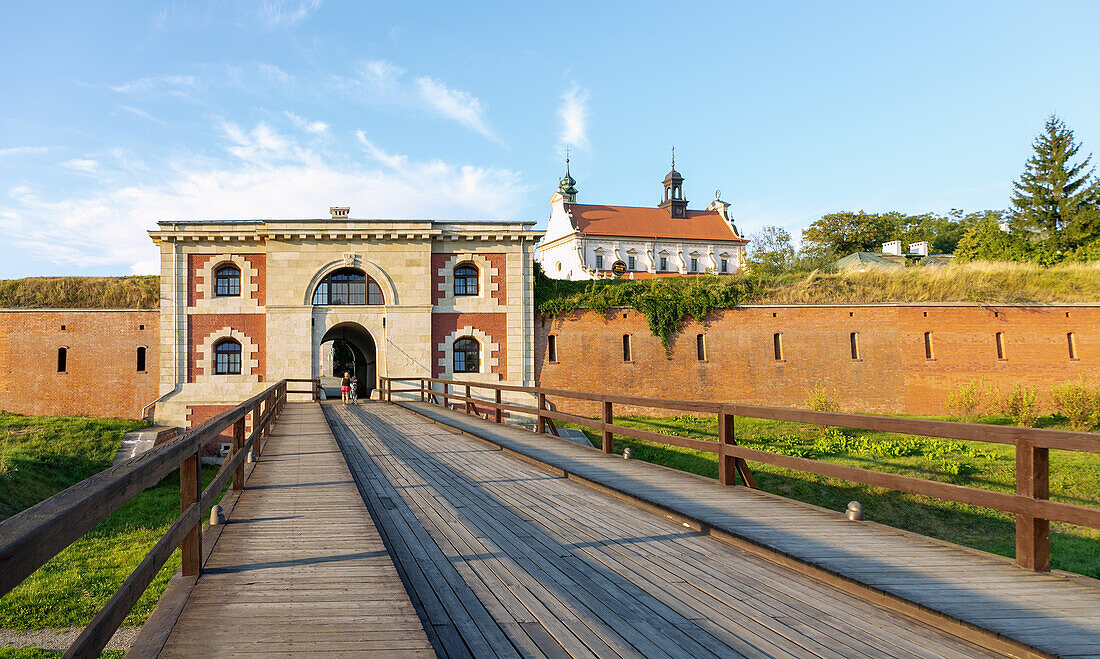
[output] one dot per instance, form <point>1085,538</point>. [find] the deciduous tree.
<point>770,252</point>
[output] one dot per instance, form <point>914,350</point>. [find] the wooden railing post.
<point>446,390</point>
<point>608,418</point>
<point>540,426</point>
<point>1033,481</point>
<point>238,444</point>
<point>423,397</point>
<point>499,415</point>
<point>190,491</point>
<point>469,406</point>
<point>727,464</point>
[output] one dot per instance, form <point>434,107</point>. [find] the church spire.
<point>674,201</point>
<point>567,186</point>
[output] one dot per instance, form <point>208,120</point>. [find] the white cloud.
<point>456,104</point>
<point>574,118</point>
<point>315,127</point>
<point>81,165</point>
<point>23,151</point>
<point>287,12</point>
<point>264,175</point>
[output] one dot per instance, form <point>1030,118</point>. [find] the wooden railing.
<point>1030,504</point>
<point>31,538</point>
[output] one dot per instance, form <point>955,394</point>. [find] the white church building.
<point>586,241</point>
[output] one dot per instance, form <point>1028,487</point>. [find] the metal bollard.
<point>854,512</point>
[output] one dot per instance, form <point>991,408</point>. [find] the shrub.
<point>819,399</point>
<point>968,400</point>
<point>1079,402</point>
<point>1020,404</point>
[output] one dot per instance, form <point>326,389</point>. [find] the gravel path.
<point>61,639</point>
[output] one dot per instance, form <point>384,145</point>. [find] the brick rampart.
<point>890,372</point>
<point>100,375</point>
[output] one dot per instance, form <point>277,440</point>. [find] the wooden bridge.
<point>415,526</point>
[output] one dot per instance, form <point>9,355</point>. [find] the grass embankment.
<point>1074,478</point>
<point>139,292</point>
<point>667,301</point>
<point>44,455</point>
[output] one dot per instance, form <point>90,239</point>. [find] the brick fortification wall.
<point>100,377</point>
<point>892,373</point>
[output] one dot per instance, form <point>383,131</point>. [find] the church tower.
<point>674,201</point>
<point>567,186</point>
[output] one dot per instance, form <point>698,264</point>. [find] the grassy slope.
<point>1075,478</point>
<point>141,292</point>
<point>44,456</point>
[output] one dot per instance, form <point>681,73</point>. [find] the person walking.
<point>354,389</point>
<point>345,387</point>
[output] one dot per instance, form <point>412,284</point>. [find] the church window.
<point>694,264</point>
<point>227,357</point>
<point>227,281</point>
<point>467,353</point>
<point>664,263</point>
<point>599,261</point>
<point>466,280</point>
<point>630,263</point>
<point>348,286</point>
<point>725,266</point>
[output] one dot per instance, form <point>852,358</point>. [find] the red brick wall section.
<point>199,414</point>
<point>101,377</point>
<point>493,324</point>
<point>200,326</point>
<point>258,263</point>
<point>891,374</point>
<point>194,263</point>
<point>498,261</point>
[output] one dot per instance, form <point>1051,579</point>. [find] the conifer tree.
<point>1055,199</point>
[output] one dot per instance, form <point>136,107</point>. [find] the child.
<point>354,389</point>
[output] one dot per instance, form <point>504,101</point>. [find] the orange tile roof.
<point>641,222</point>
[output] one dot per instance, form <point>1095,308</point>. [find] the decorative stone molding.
<point>207,302</point>
<point>249,350</point>
<point>483,302</point>
<point>486,360</point>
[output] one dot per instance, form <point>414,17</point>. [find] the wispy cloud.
<point>82,165</point>
<point>456,104</point>
<point>23,151</point>
<point>287,12</point>
<point>574,119</point>
<point>263,174</point>
<point>315,127</point>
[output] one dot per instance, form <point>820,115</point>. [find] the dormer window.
<point>227,281</point>
<point>466,280</point>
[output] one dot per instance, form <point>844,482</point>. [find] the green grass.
<point>38,653</point>
<point>1074,478</point>
<point>44,456</point>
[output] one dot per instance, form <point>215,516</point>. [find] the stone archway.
<point>348,347</point>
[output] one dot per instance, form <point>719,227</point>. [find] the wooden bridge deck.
<point>502,558</point>
<point>299,567</point>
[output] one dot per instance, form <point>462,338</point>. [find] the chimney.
<point>892,247</point>
<point>339,213</point>
<point>919,249</point>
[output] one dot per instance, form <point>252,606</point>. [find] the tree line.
<point>1054,216</point>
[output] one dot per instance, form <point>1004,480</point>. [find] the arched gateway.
<point>305,298</point>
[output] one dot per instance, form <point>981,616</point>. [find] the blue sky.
<point>116,116</point>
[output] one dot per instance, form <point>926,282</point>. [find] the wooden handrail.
<point>31,538</point>
<point>1031,505</point>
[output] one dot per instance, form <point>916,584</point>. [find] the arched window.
<point>227,281</point>
<point>466,280</point>
<point>348,286</point>
<point>227,357</point>
<point>467,356</point>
